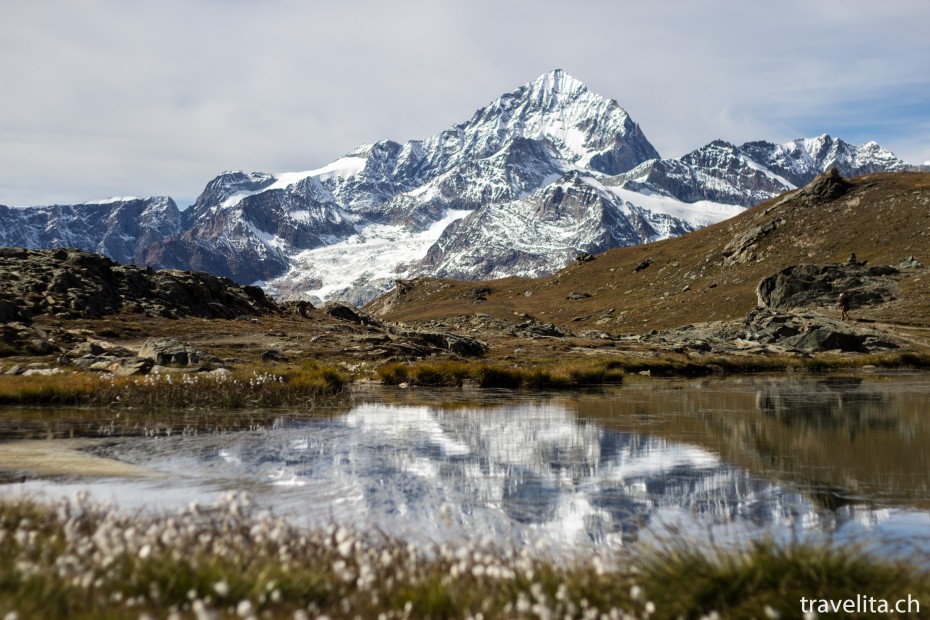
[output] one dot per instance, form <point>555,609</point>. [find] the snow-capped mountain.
<point>578,211</point>
<point>350,229</point>
<point>540,174</point>
<point>116,227</point>
<point>756,171</point>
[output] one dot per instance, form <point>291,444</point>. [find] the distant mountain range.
<point>539,175</point>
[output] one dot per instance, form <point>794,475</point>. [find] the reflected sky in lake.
<point>733,459</point>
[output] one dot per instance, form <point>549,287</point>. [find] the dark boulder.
<point>345,312</point>
<point>826,339</point>
<point>9,311</point>
<point>273,355</point>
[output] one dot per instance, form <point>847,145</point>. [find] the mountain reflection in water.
<point>735,458</point>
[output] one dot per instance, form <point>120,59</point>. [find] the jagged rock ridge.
<point>77,284</point>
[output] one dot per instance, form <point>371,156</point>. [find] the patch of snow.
<point>113,199</point>
<point>757,166</point>
<point>234,199</point>
<point>343,167</point>
<point>547,180</point>
<point>377,252</point>
<point>698,214</point>
<point>272,241</point>
<point>301,215</point>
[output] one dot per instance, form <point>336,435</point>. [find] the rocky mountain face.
<point>119,228</point>
<point>537,176</point>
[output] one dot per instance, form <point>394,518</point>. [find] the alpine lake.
<point>840,459</point>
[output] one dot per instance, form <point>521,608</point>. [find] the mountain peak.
<point>557,81</point>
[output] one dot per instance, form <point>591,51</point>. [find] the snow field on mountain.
<point>697,214</point>
<point>378,252</point>
<point>344,168</point>
<point>754,165</point>
<point>106,201</point>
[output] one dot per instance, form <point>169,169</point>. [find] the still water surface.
<point>722,459</point>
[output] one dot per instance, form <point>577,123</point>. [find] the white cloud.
<point>115,97</point>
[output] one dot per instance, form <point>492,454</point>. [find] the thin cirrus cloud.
<point>145,98</point>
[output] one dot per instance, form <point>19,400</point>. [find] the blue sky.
<point>118,97</point>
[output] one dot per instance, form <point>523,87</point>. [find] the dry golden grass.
<point>247,387</point>
<point>63,389</point>
<point>450,373</point>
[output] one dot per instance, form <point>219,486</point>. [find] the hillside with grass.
<point>713,274</point>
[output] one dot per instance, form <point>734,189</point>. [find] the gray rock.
<point>537,329</point>
<point>137,367</point>
<point>40,346</point>
<point>43,372</point>
<point>826,187</point>
<point>166,352</point>
<point>86,348</point>
<point>273,355</point>
<point>826,339</point>
<point>69,284</point>
<point>742,248</point>
<point>910,263</point>
<point>345,312</point>
<point>767,330</point>
<point>881,270</point>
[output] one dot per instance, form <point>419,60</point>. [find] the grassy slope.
<point>884,218</point>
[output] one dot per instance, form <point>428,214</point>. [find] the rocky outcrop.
<point>536,329</point>
<point>743,248</point>
<point>797,313</point>
<point>345,312</point>
<point>812,333</point>
<point>771,332</point>
<point>447,341</point>
<point>68,283</point>
<point>826,187</point>
<point>22,339</point>
<point>805,286</point>
<point>171,352</point>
